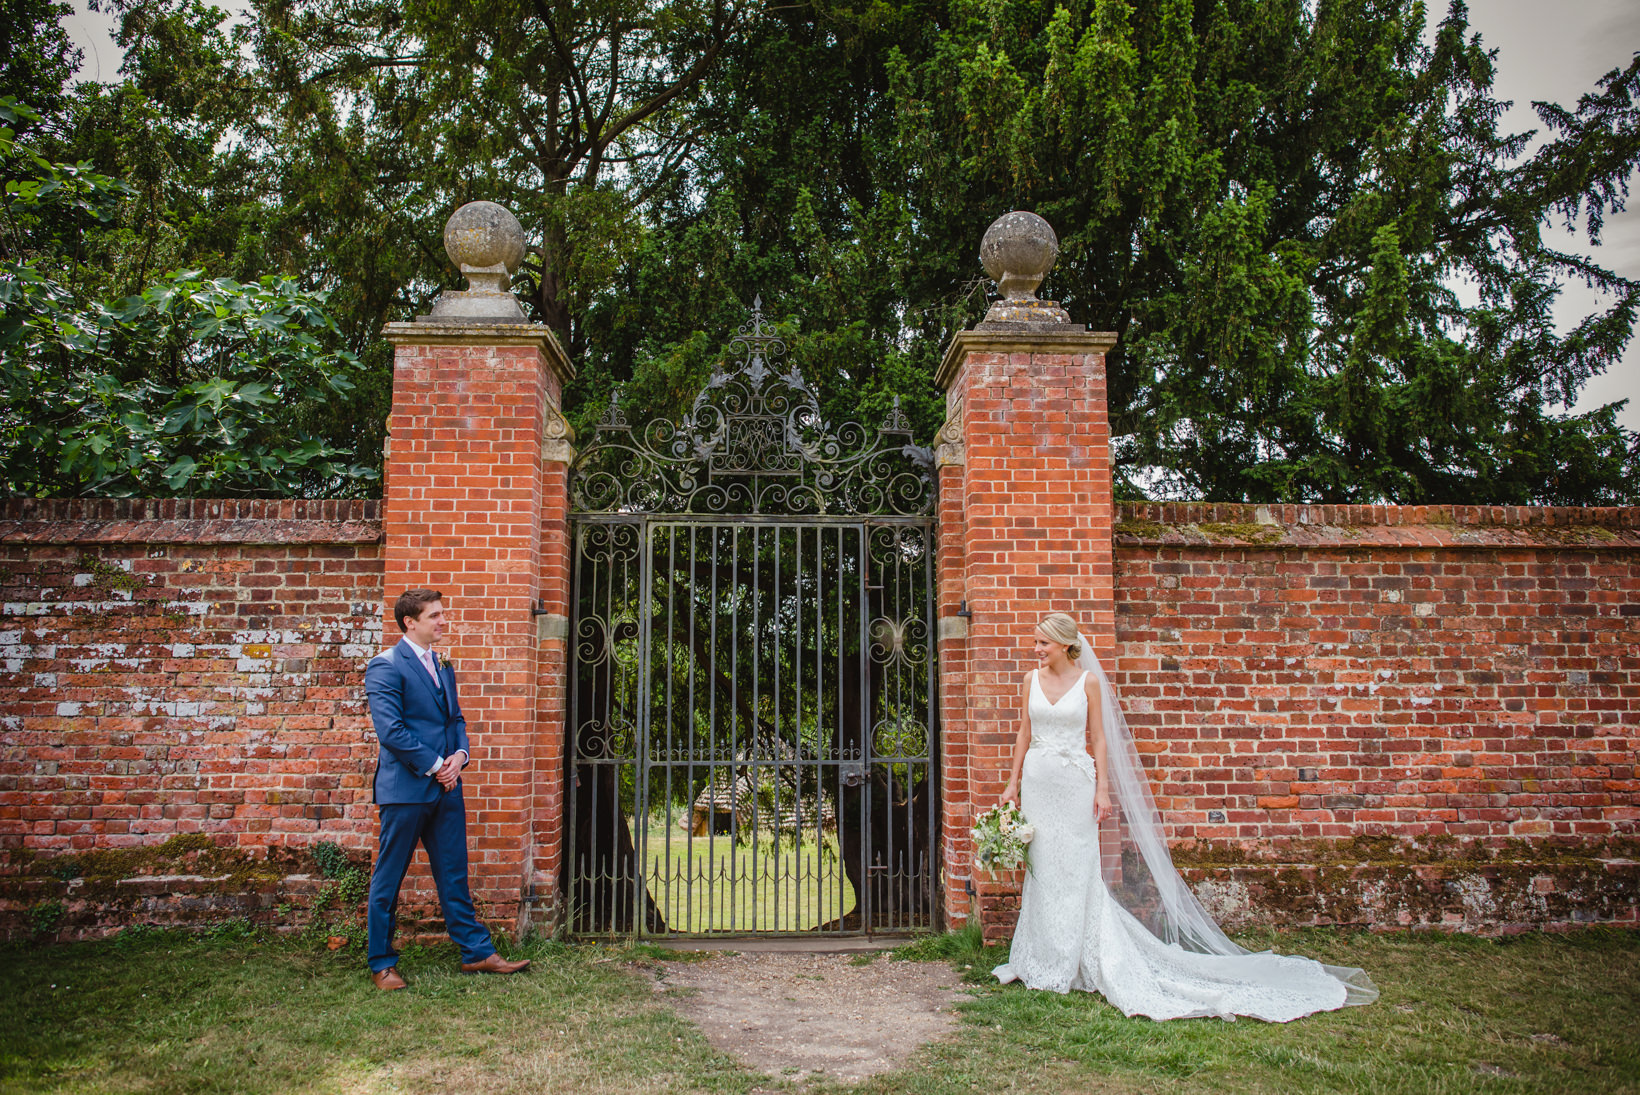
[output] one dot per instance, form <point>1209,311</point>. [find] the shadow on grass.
<point>177,1013</point>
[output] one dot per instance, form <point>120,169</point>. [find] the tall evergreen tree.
<point>1274,203</point>
<point>571,112</point>
<point>1271,203</point>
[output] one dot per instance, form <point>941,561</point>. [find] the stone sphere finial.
<point>482,236</point>
<point>1017,252</point>
<point>486,242</point>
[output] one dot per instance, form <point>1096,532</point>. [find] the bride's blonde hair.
<point>1061,628</point>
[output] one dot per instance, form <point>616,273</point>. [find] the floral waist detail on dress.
<point>1068,754</point>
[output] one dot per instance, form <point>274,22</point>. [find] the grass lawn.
<point>169,1013</point>
<point>716,883</point>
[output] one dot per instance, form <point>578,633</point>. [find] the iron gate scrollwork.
<point>752,715</point>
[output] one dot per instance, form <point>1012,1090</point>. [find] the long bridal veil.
<point>1142,878</point>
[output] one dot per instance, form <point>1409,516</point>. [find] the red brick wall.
<point>1363,715</point>
<point>185,667</point>
<point>550,799</point>
<point>1025,529</point>
<point>958,795</point>
<point>474,506</point>
<point>1342,672</point>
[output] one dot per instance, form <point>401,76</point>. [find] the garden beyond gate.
<point>753,723</point>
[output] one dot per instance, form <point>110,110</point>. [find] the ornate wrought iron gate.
<point>752,713</point>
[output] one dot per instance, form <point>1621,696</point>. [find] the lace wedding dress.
<point>1073,934</point>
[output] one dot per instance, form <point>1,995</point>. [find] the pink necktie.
<point>427,660</point>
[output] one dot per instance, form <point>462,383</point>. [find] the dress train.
<point>1073,934</point>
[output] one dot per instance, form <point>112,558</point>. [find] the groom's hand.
<point>450,771</point>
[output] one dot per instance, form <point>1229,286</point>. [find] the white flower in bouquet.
<point>1000,835</point>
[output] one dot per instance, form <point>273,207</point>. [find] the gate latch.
<point>854,772</point>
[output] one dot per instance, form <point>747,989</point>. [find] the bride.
<point>1075,769</point>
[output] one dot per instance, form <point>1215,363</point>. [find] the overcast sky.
<point>1554,52</point>
<point>1546,51</point>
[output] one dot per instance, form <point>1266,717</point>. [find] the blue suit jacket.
<point>415,723</point>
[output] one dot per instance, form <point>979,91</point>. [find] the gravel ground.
<point>796,1015</point>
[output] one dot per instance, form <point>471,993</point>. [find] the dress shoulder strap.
<point>1080,687</point>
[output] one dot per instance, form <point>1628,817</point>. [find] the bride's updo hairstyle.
<point>1061,628</point>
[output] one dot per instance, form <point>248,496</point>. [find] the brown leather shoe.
<point>388,980</point>
<point>495,964</point>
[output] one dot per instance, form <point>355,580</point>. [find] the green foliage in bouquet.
<point>1002,839</point>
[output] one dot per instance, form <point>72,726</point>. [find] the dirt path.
<point>843,1016</point>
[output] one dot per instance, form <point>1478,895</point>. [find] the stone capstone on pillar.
<point>486,242</point>
<point>1017,252</point>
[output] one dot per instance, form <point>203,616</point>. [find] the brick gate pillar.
<point>1025,519</point>
<point>474,505</point>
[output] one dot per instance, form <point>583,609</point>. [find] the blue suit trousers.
<point>440,827</point>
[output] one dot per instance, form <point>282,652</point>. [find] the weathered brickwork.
<point>1383,716</point>
<point>996,901</point>
<point>1333,686</point>
<point>1333,674</point>
<point>549,800</point>
<point>177,668</point>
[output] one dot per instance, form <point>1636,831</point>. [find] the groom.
<point>423,735</point>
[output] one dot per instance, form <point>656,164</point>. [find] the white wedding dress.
<point>1072,934</point>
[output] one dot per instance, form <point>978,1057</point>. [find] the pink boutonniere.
<point>442,662</point>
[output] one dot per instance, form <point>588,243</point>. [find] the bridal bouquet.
<point>1001,839</point>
